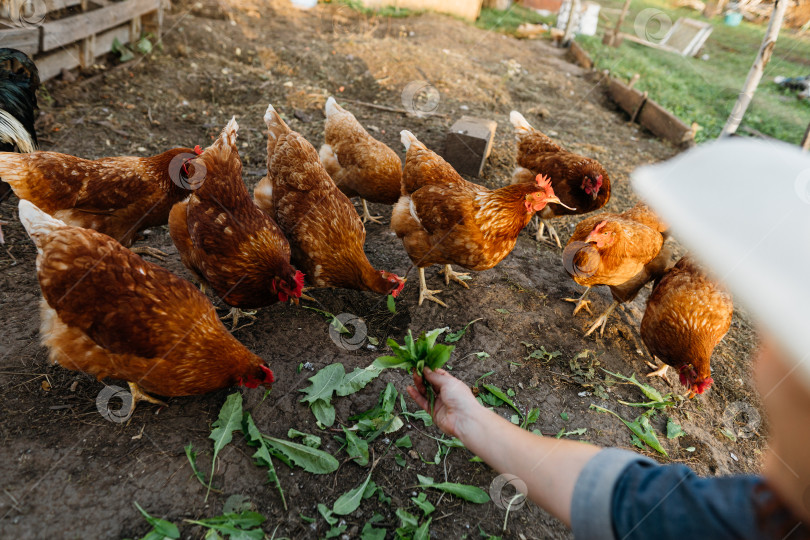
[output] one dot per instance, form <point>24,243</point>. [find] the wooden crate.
<point>68,39</point>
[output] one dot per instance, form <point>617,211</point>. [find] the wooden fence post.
<point>755,74</point>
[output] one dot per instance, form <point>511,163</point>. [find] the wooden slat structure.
<point>649,114</point>
<point>73,33</point>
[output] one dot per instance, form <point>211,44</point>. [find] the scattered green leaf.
<point>423,504</point>
<point>728,433</point>
<point>640,427</point>
<point>452,337</point>
<point>262,454</point>
<point>468,493</point>
<point>356,447</point>
<point>310,459</point>
<point>404,442</point>
<point>497,392</point>
<point>230,420</point>
<point>350,501</point>
<point>192,460</point>
<point>674,429</point>
<point>161,529</point>
<point>313,441</point>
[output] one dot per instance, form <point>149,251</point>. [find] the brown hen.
<point>107,312</point>
<point>324,231</point>
<point>117,196</point>
<point>580,182</point>
<point>360,165</point>
<point>686,317</point>
<point>444,219</point>
<point>623,251</point>
<point>227,241</point>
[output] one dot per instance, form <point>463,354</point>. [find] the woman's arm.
<point>549,467</point>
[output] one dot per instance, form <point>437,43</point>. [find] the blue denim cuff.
<point>591,515</point>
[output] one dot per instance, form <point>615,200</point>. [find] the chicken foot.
<point>235,314</point>
<point>553,237</point>
<point>602,320</point>
<point>458,277</point>
<point>660,372</point>
<point>425,293</point>
<point>152,252</point>
<point>140,395</point>
<point>581,303</point>
<point>367,215</point>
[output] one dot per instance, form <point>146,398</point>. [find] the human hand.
<point>453,404</point>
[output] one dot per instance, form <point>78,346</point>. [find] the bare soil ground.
<point>69,473</point>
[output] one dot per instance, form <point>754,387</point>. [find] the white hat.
<point>742,206</point>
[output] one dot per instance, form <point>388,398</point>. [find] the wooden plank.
<point>663,123</point>
<point>105,40</point>
<point>59,33</point>
<point>55,5</point>
<point>628,99</point>
<point>51,65</point>
<point>24,39</point>
<point>580,55</point>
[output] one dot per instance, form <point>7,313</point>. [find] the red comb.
<point>543,181</point>
<point>299,283</point>
<point>197,150</point>
<point>268,375</point>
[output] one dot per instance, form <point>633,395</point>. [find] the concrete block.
<point>469,143</point>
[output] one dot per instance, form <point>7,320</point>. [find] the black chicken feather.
<point>19,80</point>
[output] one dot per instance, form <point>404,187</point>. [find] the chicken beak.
<point>555,200</point>
<point>294,300</point>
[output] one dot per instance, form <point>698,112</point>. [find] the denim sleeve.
<point>622,495</point>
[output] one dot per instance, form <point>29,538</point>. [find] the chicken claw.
<point>425,293</point>
<point>458,277</point>
<point>552,233</point>
<point>152,252</point>
<point>367,215</point>
<point>602,320</point>
<point>660,372</point>
<point>581,303</point>
<point>140,395</point>
<point>235,314</point>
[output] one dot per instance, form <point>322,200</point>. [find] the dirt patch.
<point>69,473</point>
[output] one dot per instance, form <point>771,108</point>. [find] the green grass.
<point>386,11</point>
<point>704,91</point>
<point>509,20</point>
